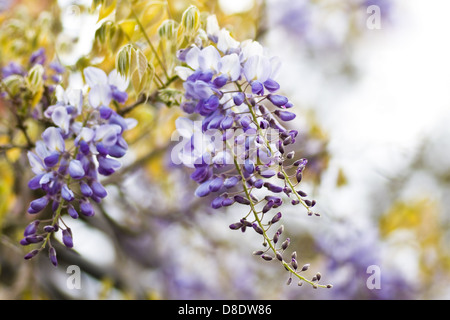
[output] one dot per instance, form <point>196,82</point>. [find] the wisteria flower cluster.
<point>238,145</point>
<point>85,140</point>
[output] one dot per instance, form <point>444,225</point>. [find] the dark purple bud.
<point>238,98</point>
<point>98,189</point>
<point>216,184</point>
<point>263,124</point>
<point>271,85</point>
<point>299,176</point>
<point>107,166</point>
<point>31,228</point>
<point>227,123</point>
<point>246,223</point>
<point>67,238</point>
<point>84,147</point>
<point>258,183</point>
<point>273,188</point>
<point>268,206</point>
<point>217,202</point>
<point>203,189</point>
<point>31,254</point>
<point>241,199</point>
<point>290,155</point>
<point>277,99</point>
<point>235,226</point>
<point>276,236</point>
<point>288,105</point>
<point>257,87</point>
<point>220,81</point>
<point>268,173</point>
<point>38,204</point>
<point>87,209</point>
<point>72,212</point>
<point>210,105</point>
<point>117,151</point>
<point>302,193</point>
<point>231,182</point>
<point>285,115</point>
<point>249,166</point>
<point>300,163</point>
<point>105,112</point>
<point>293,133</point>
<point>318,276</point>
<point>286,243</point>
<point>279,256</point>
<point>85,189</point>
<point>287,141</point>
<point>215,122</point>
<point>305,267</point>
<point>295,202</point>
<point>257,229</point>
<point>51,160</point>
<point>52,256</point>
<point>34,183</point>
<point>294,264</point>
<point>205,76</point>
<point>49,229</point>
<point>258,253</point>
<point>34,238</point>
<point>227,202</point>
<point>201,174</point>
<point>67,194</point>
<point>267,257</point>
<point>276,218</point>
<point>245,121</point>
<point>24,242</point>
<point>119,96</point>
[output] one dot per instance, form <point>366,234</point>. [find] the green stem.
<point>141,27</point>
<point>287,179</point>
<point>266,237</point>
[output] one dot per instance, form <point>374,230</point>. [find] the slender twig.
<point>152,47</point>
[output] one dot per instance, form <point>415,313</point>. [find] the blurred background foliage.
<point>152,239</point>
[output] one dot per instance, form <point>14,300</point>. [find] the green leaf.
<point>123,60</point>
<point>35,78</point>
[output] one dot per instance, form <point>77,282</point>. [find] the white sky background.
<point>376,123</point>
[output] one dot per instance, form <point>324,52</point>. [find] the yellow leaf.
<point>123,10</point>
<point>106,9</point>
<point>341,179</point>
<point>128,26</point>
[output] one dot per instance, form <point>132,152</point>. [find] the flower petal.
<point>53,139</point>
<point>95,76</point>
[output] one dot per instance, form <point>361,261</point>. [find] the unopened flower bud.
<point>285,244</point>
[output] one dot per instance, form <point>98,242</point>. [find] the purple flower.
<point>38,205</point>
<point>97,142</point>
<point>67,238</point>
<point>38,57</point>
<point>76,169</point>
